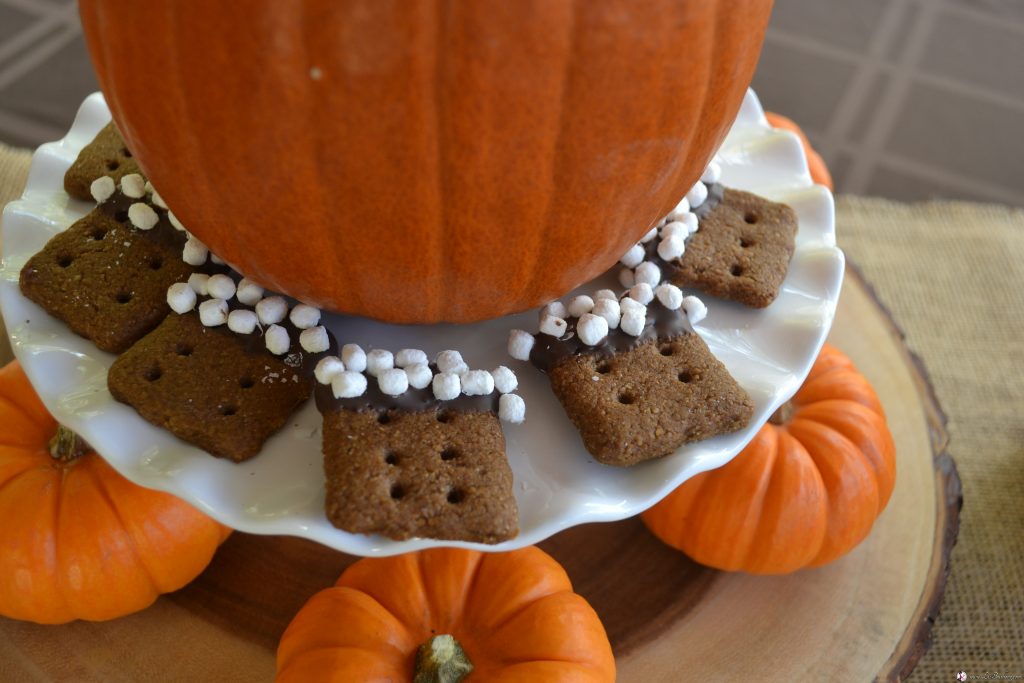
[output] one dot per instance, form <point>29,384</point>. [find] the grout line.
<point>890,104</point>
<point>856,97</point>
<point>24,41</point>
<point>12,124</point>
<point>42,9</point>
<point>972,91</point>
<point>38,54</point>
<point>992,19</point>
<point>917,169</point>
<point>813,46</point>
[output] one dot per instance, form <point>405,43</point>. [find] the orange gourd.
<point>805,491</point>
<point>78,540</point>
<point>514,615</point>
<point>426,160</point>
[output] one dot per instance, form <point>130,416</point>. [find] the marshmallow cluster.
<point>598,315</point>
<point>671,234</point>
<point>395,373</point>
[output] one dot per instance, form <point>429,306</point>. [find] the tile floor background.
<point>907,99</point>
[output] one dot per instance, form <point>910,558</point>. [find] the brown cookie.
<point>741,251</point>
<point>105,278</point>
<point>105,155</point>
<point>436,473</point>
<point>647,401</point>
<point>219,390</point>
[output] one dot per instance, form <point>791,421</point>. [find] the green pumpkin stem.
<point>67,446</point>
<point>783,415</point>
<point>441,660</point>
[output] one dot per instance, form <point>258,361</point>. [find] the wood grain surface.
<point>866,616</point>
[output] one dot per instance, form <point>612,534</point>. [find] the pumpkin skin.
<point>514,614</point>
<point>79,541</point>
<point>802,493</point>
<point>449,160</point>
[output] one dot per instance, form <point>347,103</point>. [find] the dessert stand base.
<point>866,616</point>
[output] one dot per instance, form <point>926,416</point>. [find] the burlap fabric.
<point>953,275</point>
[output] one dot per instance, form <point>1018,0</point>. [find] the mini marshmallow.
<point>328,368</point>
<point>505,381</point>
<point>604,294</point>
<point>102,188</point>
<point>132,185</point>
<point>157,199</point>
<point>670,296</point>
<point>695,309</point>
<point>592,329</point>
<point>626,278</point>
<point>633,323</point>
<point>697,195</point>
<point>393,382</point>
<point>630,304</point>
<point>691,222</point>
<point>221,286</point>
<point>248,292</point>
<point>520,343</point>
<point>195,252</point>
<point>199,282</point>
<point>634,257</point>
<point>314,339</point>
<point>682,207</point>
<point>419,375</point>
<point>181,298</point>
<point>277,340</point>
<point>378,361</point>
<point>348,384</point>
<point>511,408</point>
<point>672,248</point>
<point>451,361</point>
<point>242,321</point>
<point>213,312</point>
<point>142,216</point>
<point>446,386</point>
<point>651,234</point>
<point>555,308</point>
<point>175,222</point>
<point>406,357</point>
<point>272,310</point>
<point>712,174</point>
<point>675,229</point>
<point>477,383</point>
<point>580,305</point>
<point>216,260</point>
<point>354,357</point>
<point>642,293</point>
<point>553,325</point>
<point>648,272</point>
<point>610,310</point>
<point>304,317</point>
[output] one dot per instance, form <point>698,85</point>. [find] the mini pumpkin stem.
<point>441,660</point>
<point>67,446</point>
<point>783,415</point>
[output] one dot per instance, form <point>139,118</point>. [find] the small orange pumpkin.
<point>423,161</point>
<point>806,490</point>
<point>513,615</point>
<point>78,540</point>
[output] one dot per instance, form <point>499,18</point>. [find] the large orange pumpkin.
<point>513,614</point>
<point>426,160</point>
<point>78,540</point>
<point>805,491</point>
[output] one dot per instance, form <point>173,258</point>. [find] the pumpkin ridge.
<point>443,251</point>
<point>101,488</point>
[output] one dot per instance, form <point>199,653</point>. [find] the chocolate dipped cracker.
<point>107,277</point>
<point>633,377</point>
<point>417,450</point>
<point>731,244</point>
<point>106,155</point>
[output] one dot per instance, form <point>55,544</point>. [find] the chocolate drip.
<point>662,323</point>
<point>411,400</point>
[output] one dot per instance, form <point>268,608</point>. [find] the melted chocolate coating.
<point>662,323</point>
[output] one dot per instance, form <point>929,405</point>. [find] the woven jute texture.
<point>953,276</point>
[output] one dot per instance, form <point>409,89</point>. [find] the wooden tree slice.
<point>866,616</point>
